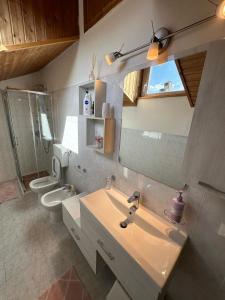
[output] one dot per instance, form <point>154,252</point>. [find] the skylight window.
<point>164,78</point>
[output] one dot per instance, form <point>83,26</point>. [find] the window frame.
<point>145,79</point>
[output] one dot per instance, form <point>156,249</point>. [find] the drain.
<point>123,224</point>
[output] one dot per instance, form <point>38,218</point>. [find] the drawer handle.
<point>109,254</point>
<point>75,234</point>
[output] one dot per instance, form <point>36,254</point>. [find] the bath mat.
<point>8,191</point>
<point>68,287</point>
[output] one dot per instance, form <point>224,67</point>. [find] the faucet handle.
<point>137,195</point>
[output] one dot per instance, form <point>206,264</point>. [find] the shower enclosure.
<point>30,122</point>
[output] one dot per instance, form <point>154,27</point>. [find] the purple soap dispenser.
<point>176,208</point>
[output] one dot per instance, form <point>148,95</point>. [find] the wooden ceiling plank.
<point>23,61</point>
<point>184,83</point>
<point>28,18</point>
<point>17,24</point>
<point>39,20</point>
<point>5,25</point>
<point>94,10</point>
<point>190,69</point>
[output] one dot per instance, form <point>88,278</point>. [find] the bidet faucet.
<point>69,188</point>
<point>135,197</point>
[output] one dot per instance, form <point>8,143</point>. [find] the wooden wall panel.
<point>94,10</point>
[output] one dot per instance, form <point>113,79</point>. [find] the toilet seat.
<point>45,184</point>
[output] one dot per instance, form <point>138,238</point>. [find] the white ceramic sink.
<point>154,243</point>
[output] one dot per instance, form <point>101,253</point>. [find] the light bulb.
<point>110,58</point>
<point>153,51</point>
<point>220,12</point>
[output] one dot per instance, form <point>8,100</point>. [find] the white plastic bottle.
<point>87,104</point>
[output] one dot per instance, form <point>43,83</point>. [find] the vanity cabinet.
<point>131,276</point>
<point>71,218</point>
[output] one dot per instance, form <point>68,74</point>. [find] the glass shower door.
<point>31,129</point>
<point>43,131</point>
<point>22,129</point>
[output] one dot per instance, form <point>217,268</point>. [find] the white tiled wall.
<point>201,271</point>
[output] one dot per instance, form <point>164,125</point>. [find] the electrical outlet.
<point>221,230</point>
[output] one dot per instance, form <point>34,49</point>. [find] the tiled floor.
<point>35,253</point>
<point>68,287</point>
<point>8,190</point>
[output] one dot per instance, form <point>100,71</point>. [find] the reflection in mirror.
<point>158,107</point>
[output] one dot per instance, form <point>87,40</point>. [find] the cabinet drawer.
<point>129,273</point>
<point>82,241</point>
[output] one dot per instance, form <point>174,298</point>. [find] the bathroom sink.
<point>150,240</point>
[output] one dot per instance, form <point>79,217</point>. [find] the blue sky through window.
<point>164,78</point>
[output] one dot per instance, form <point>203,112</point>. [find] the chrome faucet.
<point>135,198</point>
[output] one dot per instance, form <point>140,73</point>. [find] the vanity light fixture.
<point>220,12</point>
<point>220,8</point>
<point>158,44</point>
<point>161,38</point>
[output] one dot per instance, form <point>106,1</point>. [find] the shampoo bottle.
<point>87,104</point>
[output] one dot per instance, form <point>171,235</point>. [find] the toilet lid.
<point>56,168</point>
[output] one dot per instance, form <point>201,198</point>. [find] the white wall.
<point>22,82</point>
<point>171,115</point>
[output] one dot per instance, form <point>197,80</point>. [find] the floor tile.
<point>35,254</point>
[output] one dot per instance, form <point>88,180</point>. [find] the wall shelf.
<point>100,127</point>
<point>97,89</point>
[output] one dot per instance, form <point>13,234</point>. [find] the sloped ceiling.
<point>94,10</point>
<point>35,32</point>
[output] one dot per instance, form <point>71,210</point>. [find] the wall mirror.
<point>158,106</point>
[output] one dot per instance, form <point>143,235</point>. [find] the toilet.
<point>52,201</point>
<point>48,183</point>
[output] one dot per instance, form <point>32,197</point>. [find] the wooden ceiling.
<point>94,10</point>
<point>190,69</point>
<point>35,32</point>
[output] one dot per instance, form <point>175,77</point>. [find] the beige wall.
<point>171,115</point>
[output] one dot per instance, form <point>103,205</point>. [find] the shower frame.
<point>13,139</point>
